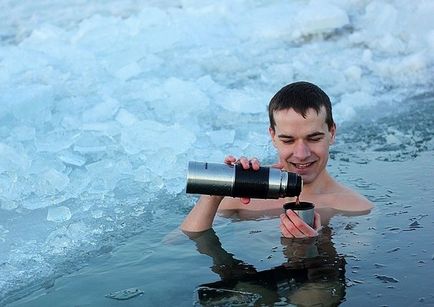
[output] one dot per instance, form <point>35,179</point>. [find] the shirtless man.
<point>302,130</point>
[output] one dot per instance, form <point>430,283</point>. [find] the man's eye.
<point>315,139</point>
<point>287,141</point>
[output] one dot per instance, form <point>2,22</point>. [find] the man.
<point>302,130</point>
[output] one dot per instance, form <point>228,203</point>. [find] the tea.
<point>297,200</point>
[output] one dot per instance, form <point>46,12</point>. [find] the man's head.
<point>301,96</point>
<point>302,129</point>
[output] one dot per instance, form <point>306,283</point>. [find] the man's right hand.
<point>292,226</point>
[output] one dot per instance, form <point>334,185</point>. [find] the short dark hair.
<point>300,96</point>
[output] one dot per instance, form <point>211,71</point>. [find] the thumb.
<point>278,165</point>
<point>317,221</point>
<point>245,200</point>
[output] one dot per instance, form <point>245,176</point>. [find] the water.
<point>384,258</point>
<point>103,104</point>
<point>393,266</point>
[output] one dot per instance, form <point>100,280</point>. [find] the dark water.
<point>385,258</point>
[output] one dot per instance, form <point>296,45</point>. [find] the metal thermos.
<point>232,180</point>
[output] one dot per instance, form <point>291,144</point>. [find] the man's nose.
<point>301,150</point>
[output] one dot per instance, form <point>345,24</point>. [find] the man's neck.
<point>322,184</point>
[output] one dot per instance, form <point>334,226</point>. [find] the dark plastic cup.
<point>304,210</point>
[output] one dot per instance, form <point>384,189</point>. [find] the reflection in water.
<point>314,275</point>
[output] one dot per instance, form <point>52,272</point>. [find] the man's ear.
<point>332,131</point>
<point>272,135</point>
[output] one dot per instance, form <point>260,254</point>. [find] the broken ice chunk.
<point>72,158</point>
<point>126,118</point>
<point>57,179</point>
<point>24,133</point>
<point>55,141</point>
<point>59,214</point>
<point>221,137</point>
<point>102,111</point>
<point>125,294</point>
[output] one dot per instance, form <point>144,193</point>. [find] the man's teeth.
<point>300,165</point>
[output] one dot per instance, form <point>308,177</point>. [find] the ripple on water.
<point>386,279</point>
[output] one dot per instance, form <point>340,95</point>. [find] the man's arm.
<point>202,215</point>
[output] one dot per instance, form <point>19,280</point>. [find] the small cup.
<point>304,210</point>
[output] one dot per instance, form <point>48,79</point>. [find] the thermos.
<point>232,180</point>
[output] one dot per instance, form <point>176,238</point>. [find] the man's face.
<point>302,143</point>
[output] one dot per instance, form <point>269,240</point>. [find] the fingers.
<point>230,160</point>
<point>285,232</point>
<point>244,162</point>
<point>255,164</point>
<point>249,163</point>
<point>292,226</point>
<point>288,228</point>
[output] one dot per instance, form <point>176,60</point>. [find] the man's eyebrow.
<point>313,134</point>
<point>318,133</point>
<point>284,136</point>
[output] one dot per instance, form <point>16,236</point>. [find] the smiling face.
<point>303,142</point>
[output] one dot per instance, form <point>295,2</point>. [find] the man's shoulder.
<point>340,197</point>
<point>348,200</point>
